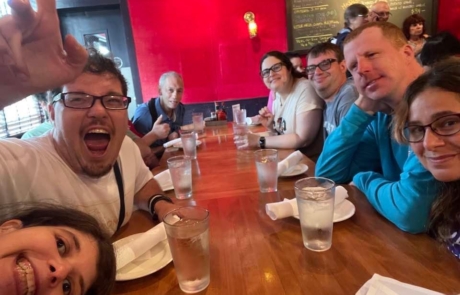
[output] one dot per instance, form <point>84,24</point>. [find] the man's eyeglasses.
<point>78,100</point>
<point>443,126</point>
<point>383,13</point>
<point>324,66</point>
<point>363,15</point>
<point>275,68</point>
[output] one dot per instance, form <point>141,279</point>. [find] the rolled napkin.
<point>129,252</point>
<point>290,162</point>
<point>174,141</point>
<point>288,207</point>
<point>164,179</point>
<point>379,285</point>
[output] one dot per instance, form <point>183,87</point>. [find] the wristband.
<point>262,142</point>
<point>152,202</point>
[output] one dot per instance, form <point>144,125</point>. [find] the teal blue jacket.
<point>362,150</point>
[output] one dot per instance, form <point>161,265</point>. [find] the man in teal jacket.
<point>361,149</point>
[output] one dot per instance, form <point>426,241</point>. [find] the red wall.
<point>208,43</point>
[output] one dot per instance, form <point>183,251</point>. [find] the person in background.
<point>327,71</point>
<point>414,30</point>
<point>297,63</point>
<point>297,110</point>
<point>380,11</point>
<point>86,161</point>
<point>438,47</point>
<point>355,15</point>
<point>47,249</point>
<point>361,149</point>
<point>162,117</point>
<point>44,99</point>
<point>429,119</point>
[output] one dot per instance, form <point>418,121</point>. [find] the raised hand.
<point>33,57</point>
<point>161,130</point>
<point>371,106</point>
<point>266,117</point>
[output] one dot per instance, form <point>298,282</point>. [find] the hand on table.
<point>32,56</point>
<point>252,141</point>
<point>162,208</point>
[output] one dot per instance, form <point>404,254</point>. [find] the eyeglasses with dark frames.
<point>443,126</point>
<point>324,66</point>
<point>275,68</point>
<point>79,100</point>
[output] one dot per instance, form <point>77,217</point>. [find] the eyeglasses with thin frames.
<point>78,100</point>
<point>443,126</point>
<point>383,13</point>
<point>324,66</point>
<point>275,68</point>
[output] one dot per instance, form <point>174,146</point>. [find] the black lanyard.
<point>121,192</point>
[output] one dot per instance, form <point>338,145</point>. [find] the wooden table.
<point>252,254</point>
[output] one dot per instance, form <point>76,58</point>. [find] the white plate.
<point>179,144</point>
<point>148,263</point>
<point>297,170</point>
<point>342,212</point>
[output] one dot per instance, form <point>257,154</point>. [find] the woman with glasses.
<point>355,15</point>
<point>429,120</point>
<point>47,249</point>
<point>297,110</point>
<point>414,30</point>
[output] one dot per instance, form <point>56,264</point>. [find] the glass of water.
<point>198,122</point>
<point>188,139</point>
<point>267,169</point>
<point>315,200</point>
<point>180,168</point>
<point>187,229</point>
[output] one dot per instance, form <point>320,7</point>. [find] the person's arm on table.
<point>152,189</point>
<point>406,202</point>
<point>350,148</point>
<point>31,42</point>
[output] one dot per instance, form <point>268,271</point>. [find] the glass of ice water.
<point>267,169</point>
<point>198,122</point>
<point>180,168</point>
<point>187,229</point>
<point>315,200</point>
<point>188,139</point>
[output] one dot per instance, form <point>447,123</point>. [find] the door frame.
<point>69,5</point>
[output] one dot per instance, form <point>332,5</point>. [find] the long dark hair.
<point>41,214</point>
<point>285,60</point>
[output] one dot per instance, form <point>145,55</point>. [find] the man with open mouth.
<point>361,149</point>
<point>86,161</point>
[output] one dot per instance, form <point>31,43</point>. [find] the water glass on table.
<point>267,169</point>
<point>239,116</point>
<point>198,122</point>
<point>240,133</point>
<point>315,200</point>
<point>180,168</point>
<point>188,139</point>
<point>187,229</point>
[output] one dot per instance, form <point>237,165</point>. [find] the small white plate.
<point>297,170</point>
<point>179,144</point>
<point>148,263</point>
<point>342,212</point>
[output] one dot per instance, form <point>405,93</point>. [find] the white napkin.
<point>379,285</point>
<point>164,179</point>
<point>129,252</point>
<point>290,162</point>
<point>288,207</point>
<point>174,141</point>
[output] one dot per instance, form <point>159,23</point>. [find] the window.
<point>20,117</point>
<point>23,115</point>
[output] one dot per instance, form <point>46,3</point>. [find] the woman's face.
<point>416,29</point>
<point>45,260</point>
<point>276,81</point>
<point>438,154</point>
<point>358,21</point>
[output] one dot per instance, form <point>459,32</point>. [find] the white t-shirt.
<point>31,170</point>
<point>302,99</point>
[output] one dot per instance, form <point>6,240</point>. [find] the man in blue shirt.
<point>162,117</point>
<point>361,148</point>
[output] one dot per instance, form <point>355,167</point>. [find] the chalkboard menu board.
<point>313,21</point>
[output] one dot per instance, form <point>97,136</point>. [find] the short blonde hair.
<point>389,31</point>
